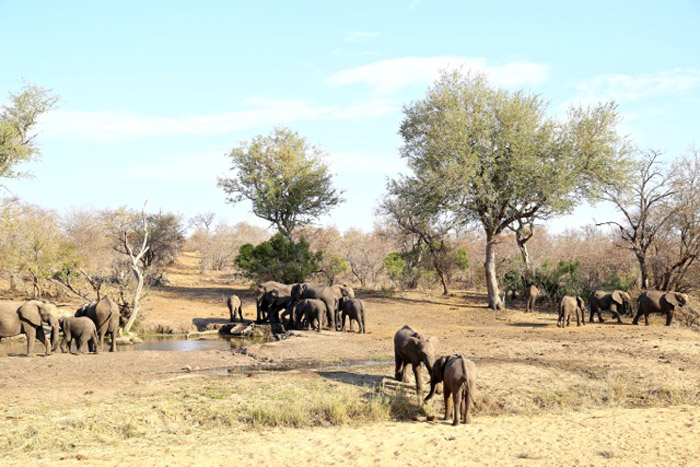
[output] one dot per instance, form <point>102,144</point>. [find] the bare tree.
<point>645,208</point>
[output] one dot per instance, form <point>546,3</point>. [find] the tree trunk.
<point>495,302</point>
<point>135,301</point>
<point>527,261</point>
<point>644,274</point>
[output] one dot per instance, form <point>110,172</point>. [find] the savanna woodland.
<point>459,250</point>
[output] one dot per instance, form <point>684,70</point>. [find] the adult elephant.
<point>272,297</point>
<point>29,318</point>
<point>105,315</point>
<point>326,294</point>
<point>618,302</point>
<point>411,348</point>
<point>655,301</point>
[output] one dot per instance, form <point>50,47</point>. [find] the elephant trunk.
<point>55,329</point>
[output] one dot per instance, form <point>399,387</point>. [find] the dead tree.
<point>136,268</point>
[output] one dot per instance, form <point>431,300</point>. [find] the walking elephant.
<point>458,376</point>
<point>326,294</point>
<point>353,309</point>
<point>412,348</point>
<point>654,301</point>
<point>571,305</point>
<point>533,293</point>
<point>105,315</point>
<point>28,318</point>
<point>233,302</point>
<point>81,330</point>
<point>618,302</point>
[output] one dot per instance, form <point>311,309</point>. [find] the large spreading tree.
<point>289,185</point>
<point>494,157</point>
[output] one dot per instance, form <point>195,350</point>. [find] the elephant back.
<point>9,319</point>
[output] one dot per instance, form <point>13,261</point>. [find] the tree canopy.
<point>17,121</point>
<point>284,177</point>
<point>487,155</point>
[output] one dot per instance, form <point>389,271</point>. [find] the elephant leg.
<point>113,335</point>
<point>600,317</point>
<point>41,335</point>
<point>578,321</point>
<point>635,321</point>
<point>419,383</point>
<point>398,372</point>
<point>646,319</point>
<point>448,401</point>
<point>457,397</point>
<point>669,317</point>
<point>590,318</point>
<point>31,335</point>
<point>65,348</point>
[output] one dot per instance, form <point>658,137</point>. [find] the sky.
<point>154,94</point>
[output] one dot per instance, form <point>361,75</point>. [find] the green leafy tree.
<point>493,157</point>
<point>285,179</point>
<point>17,121</point>
<point>278,258</point>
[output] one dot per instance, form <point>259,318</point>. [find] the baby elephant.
<point>571,305</point>
<point>83,331</point>
<point>233,303</point>
<point>459,377</point>
<point>353,309</point>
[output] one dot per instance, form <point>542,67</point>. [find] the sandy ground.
<point>600,394</point>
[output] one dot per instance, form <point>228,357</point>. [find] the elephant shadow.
<point>356,379</point>
<point>530,325</point>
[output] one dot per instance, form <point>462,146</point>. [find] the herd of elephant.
<point>617,302</point>
<point>303,305</point>
<point>85,330</point>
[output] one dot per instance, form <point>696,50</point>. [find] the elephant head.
<point>422,349</point>
<point>675,299</point>
<point>624,300</point>
<point>437,375</point>
<point>37,312</point>
<point>298,290</point>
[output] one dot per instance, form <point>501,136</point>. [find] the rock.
<point>187,369</point>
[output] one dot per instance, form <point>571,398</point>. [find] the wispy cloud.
<point>392,76</point>
<point>360,36</point>
<point>114,126</point>
<point>623,87</point>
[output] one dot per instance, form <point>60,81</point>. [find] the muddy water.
<point>166,344</point>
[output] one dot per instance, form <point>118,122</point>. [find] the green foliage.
<point>17,122</point>
<point>564,278</point>
<point>332,265</point>
<point>284,177</point>
<point>278,258</point>
<point>395,266</point>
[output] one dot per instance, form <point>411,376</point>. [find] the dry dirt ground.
<point>600,394</point>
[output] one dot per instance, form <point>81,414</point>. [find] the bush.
<point>278,258</point>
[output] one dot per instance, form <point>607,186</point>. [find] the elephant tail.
<point>468,388</point>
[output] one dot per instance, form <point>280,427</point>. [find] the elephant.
<point>458,376</point>
<point>83,331</point>
<point>105,315</point>
<point>353,309</point>
<point>340,291</point>
<point>412,348</point>
<point>311,310</point>
<point>618,302</point>
<point>571,305</point>
<point>306,290</point>
<point>533,293</point>
<point>654,301</point>
<point>233,303</point>
<point>28,318</point>
<point>272,297</point>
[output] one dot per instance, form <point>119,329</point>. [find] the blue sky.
<point>154,93</point>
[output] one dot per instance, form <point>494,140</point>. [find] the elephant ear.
<point>617,297</point>
<point>411,344</point>
<point>581,303</point>
<point>30,312</point>
<point>671,298</point>
<point>437,374</point>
